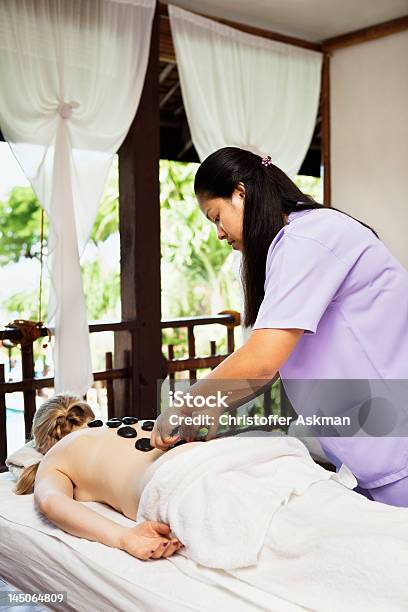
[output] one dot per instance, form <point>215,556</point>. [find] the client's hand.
<point>149,541</point>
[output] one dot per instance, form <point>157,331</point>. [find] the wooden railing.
<point>192,363</point>
<point>29,385</point>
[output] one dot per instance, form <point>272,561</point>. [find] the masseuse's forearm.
<point>235,377</point>
<point>249,368</point>
<point>242,364</point>
<point>239,378</point>
<point>76,519</point>
<point>265,351</point>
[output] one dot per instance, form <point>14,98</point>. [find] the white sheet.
<point>34,555</point>
<point>221,497</point>
<point>317,543</point>
<point>299,564</point>
<point>328,549</point>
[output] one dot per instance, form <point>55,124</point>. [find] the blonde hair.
<point>54,419</point>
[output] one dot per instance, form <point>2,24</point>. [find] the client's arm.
<point>53,494</point>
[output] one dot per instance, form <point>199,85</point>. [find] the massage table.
<point>35,556</point>
<point>327,548</point>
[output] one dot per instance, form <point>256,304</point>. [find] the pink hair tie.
<point>267,161</point>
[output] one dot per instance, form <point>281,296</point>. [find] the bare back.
<point>105,467</point>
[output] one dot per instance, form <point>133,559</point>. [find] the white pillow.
<point>23,457</point>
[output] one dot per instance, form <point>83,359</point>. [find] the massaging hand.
<point>165,434</point>
<point>202,417</point>
<point>149,540</point>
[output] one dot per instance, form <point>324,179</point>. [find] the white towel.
<point>220,497</point>
<point>23,457</point>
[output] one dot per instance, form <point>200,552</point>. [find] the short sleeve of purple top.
<point>329,275</point>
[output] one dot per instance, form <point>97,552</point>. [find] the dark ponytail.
<point>269,193</point>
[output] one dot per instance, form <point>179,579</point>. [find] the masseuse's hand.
<point>202,417</point>
<point>164,433</point>
<point>149,540</point>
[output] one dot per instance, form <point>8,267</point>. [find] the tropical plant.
<point>20,226</point>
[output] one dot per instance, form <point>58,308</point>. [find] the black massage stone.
<point>143,444</point>
<point>113,423</point>
<point>148,426</point>
<point>129,420</point>
<point>115,419</point>
<point>127,432</point>
<point>95,423</point>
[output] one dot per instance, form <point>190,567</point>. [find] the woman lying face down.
<point>84,463</point>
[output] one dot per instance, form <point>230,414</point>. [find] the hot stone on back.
<point>114,423</point>
<point>127,432</point>
<point>143,444</point>
<point>129,420</point>
<point>95,423</point>
<point>148,426</point>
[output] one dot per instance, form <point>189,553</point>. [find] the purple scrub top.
<point>329,275</point>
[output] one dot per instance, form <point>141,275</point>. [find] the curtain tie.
<point>65,108</point>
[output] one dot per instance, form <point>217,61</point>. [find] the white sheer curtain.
<point>245,91</point>
<point>71,74</point>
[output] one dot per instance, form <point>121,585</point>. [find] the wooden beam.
<point>139,223</point>
<point>31,384</point>
<point>166,49</point>
<point>169,94</point>
<point>229,319</point>
<point>165,73</point>
<point>366,34</point>
<point>186,147</point>
<point>325,129</point>
<point>167,53</point>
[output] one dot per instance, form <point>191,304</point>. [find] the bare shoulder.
<point>61,455</point>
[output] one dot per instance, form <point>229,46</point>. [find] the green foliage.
<point>311,186</point>
<point>197,274</point>
<point>20,226</point>
<point>107,218</point>
<point>24,305</point>
<point>20,221</point>
<point>200,264</point>
<point>20,237</point>
<point>102,290</point>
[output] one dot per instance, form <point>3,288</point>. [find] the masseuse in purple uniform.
<point>324,296</point>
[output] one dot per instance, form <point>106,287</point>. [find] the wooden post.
<point>3,427</point>
<point>27,366</point>
<point>139,224</point>
<point>267,401</point>
<point>213,349</point>
<point>109,387</point>
<point>230,340</point>
<point>325,138</point>
<point>191,352</point>
<point>172,376</point>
